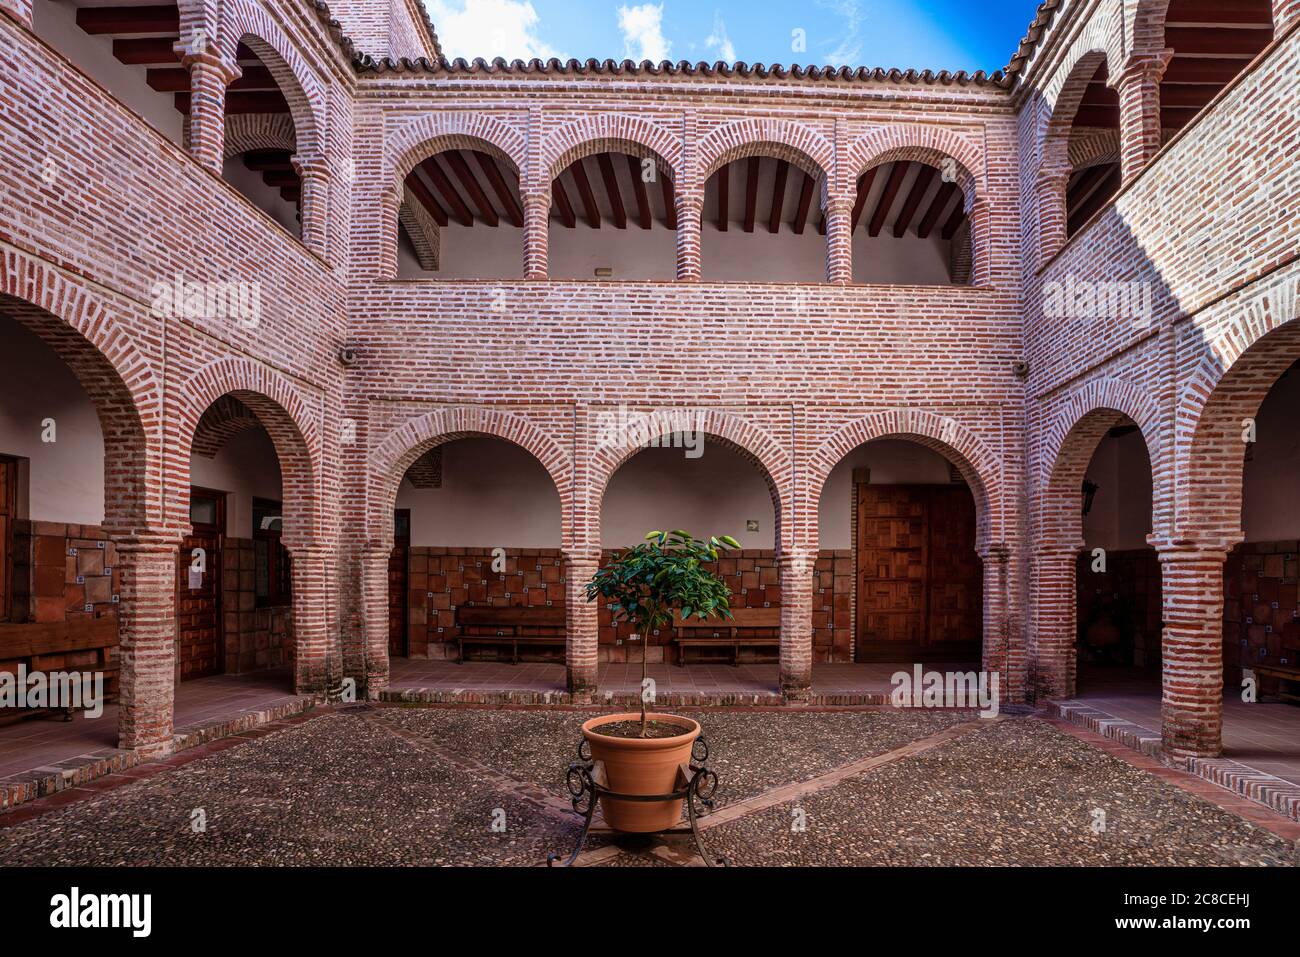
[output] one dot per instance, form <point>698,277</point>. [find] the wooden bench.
<point>726,633</point>
<point>505,624</point>
<point>48,646</point>
<point>1284,673</point>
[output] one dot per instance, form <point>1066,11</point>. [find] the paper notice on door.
<point>196,579</point>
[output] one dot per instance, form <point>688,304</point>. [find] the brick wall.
<point>255,637</point>
<point>1261,615</point>
<point>63,572</point>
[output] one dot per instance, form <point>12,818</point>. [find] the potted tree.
<point>644,586</point>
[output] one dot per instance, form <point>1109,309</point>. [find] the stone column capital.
<point>310,166</point>
<point>195,60</point>
<point>1145,66</point>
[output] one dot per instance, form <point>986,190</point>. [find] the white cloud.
<point>849,50</point>
<point>489,28</point>
<point>643,33</point>
<point>720,41</point>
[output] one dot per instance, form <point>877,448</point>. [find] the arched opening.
<point>460,217</point>
<point>261,136</point>
<point>1118,614</point>
<point>1212,43</point>
<point>910,225</point>
<point>613,216</point>
<point>476,573</point>
<point>1093,149</point>
<point>899,580</point>
<point>763,222</point>
<point>235,601</point>
<point>707,486</point>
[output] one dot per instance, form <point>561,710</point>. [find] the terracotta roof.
<point>370,64</point>
<point>1037,28</point>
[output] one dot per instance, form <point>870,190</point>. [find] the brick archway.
<point>729,431</point>
<point>933,145</point>
<point>800,145</point>
<point>436,133</point>
<point>118,379</point>
<point>978,464</point>
<point>406,443</point>
<point>610,133</point>
<point>282,411</point>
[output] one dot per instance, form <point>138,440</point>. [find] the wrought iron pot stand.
<point>696,785</point>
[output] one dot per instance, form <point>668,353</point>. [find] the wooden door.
<point>918,595</point>
<point>199,632</point>
<point>398,577</point>
<point>8,513</point>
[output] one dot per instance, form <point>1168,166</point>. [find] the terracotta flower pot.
<point>641,766</point>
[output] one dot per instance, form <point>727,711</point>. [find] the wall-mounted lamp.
<point>1089,493</point>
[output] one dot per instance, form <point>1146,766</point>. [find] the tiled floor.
<point>1264,736</point>
<point>626,678</point>
<point>38,742</point>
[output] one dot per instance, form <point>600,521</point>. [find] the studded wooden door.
<point>199,638</point>
<point>918,587</point>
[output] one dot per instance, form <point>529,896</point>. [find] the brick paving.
<point>377,785</point>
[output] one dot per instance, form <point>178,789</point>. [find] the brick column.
<point>315,669</point>
<point>313,176</point>
<point>1285,15</point>
<point>1055,612</point>
<point>978,245</point>
<point>689,204</point>
<point>839,240</point>
<point>996,642</point>
<point>374,603</point>
<point>209,77</point>
<point>147,643</point>
<point>390,204</point>
<point>797,567</point>
<point>1139,110</point>
<point>1049,192</point>
<point>581,624</point>
<point>537,233</point>
<point>1191,707</point>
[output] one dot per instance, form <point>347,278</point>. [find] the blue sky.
<point>934,34</point>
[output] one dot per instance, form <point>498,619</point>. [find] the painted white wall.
<point>493,493</point>
<point>892,462</point>
<point>481,252</point>
<point>55,22</point>
<point>245,468</point>
<point>1271,506</point>
<point>1121,511</point>
<point>65,478</point>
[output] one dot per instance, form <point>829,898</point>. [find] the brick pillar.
<point>1055,610</point>
<point>1191,708</point>
<point>537,233</point>
<point>313,175</point>
<point>315,669</point>
<point>209,77</point>
<point>1050,194</point>
<point>391,203</point>
<point>1139,111</point>
<point>797,567</point>
<point>147,643</point>
<point>839,240</point>
<point>374,603</point>
<point>581,624</point>
<point>977,243</point>
<point>996,643</point>
<point>690,212</point>
<point>1285,15</point>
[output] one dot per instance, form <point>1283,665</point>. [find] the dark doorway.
<point>199,642</point>
<point>398,577</point>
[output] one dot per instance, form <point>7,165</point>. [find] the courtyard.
<point>388,785</point>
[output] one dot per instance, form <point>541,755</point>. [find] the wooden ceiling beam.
<point>266,101</point>
<point>1103,194</point>
<point>1216,41</point>
<point>561,197</point>
<point>892,185</point>
<point>864,190</point>
<point>448,191</point>
<point>643,216</point>
<point>751,194</point>
<point>99,21</point>
<point>612,191</point>
<point>937,206</point>
<point>954,222</point>
<point>805,204</point>
<point>924,175</point>
<point>499,186</point>
<point>467,179</point>
<point>426,199</point>
<point>586,194</point>
<point>670,201</point>
<point>778,197</point>
<point>143,51</point>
